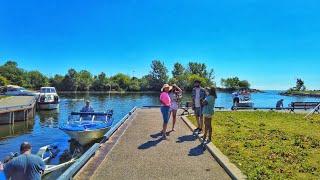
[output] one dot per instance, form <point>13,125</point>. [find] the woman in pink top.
<point>165,107</point>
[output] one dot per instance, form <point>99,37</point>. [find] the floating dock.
<point>17,108</point>
<point>136,151</point>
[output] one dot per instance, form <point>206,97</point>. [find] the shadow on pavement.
<point>156,135</point>
<point>197,151</point>
<point>150,144</point>
<point>186,138</point>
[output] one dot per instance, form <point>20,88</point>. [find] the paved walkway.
<point>15,101</point>
<point>141,154</point>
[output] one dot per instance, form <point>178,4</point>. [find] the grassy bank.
<point>269,145</point>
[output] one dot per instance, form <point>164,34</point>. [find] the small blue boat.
<point>86,127</point>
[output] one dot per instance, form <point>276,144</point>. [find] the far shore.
<point>302,93</point>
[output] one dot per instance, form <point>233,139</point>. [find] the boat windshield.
<point>47,90</point>
<point>88,118</point>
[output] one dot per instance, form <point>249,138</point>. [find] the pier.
<point>17,108</point>
<point>136,151</point>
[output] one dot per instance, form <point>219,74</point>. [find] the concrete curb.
<point>233,171</point>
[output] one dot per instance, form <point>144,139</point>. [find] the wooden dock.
<point>17,108</point>
<point>136,151</point>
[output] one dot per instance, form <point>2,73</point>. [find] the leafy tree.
<point>158,75</point>
<point>3,81</point>
<point>178,70</point>
<point>70,81</point>
<point>244,84</point>
<point>134,84</point>
<point>100,83</point>
<point>235,83</point>
<point>12,73</point>
<point>300,85</point>
<point>36,80</point>
<point>193,77</point>
<point>122,80</point>
<point>144,83</point>
<point>84,80</point>
<point>56,82</point>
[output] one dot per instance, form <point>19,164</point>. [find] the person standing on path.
<point>165,107</point>
<point>208,112</point>
<point>175,96</point>
<point>198,95</point>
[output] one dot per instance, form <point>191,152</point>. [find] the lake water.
<point>43,130</point>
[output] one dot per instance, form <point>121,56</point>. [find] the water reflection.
<point>16,129</point>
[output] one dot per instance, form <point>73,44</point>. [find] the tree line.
<point>83,80</point>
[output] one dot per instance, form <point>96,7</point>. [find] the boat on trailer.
<point>86,127</point>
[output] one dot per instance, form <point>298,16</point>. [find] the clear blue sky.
<point>268,42</point>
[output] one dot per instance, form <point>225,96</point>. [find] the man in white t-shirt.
<point>198,95</point>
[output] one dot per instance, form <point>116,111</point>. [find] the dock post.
<point>12,122</point>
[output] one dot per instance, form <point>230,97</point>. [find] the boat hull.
<point>86,137</point>
<point>48,106</point>
<point>245,104</point>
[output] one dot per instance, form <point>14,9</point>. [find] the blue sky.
<point>268,42</point>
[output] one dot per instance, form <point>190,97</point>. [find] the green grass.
<point>2,97</point>
<point>269,145</point>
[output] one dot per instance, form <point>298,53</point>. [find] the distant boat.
<point>48,98</point>
<point>86,127</point>
<point>244,100</point>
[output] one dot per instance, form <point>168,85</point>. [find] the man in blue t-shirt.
<point>26,166</point>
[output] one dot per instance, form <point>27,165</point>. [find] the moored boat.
<point>86,127</point>
<point>48,98</point>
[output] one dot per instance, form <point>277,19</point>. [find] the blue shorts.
<point>165,110</point>
<point>198,111</point>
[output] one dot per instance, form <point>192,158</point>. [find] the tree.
<point>201,70</point>
<point>100,83</point>
<point>56,82</point>
<point>158,75</point>
<point>178,70</point>
<point>70,81</point>
<point>3,81</point>
<point>134,84</point>
<point>84,80</point>
<point>12,73</point>
<point>244,84</point>
<point>300,85</point>
<point>122,80</point>
<point>232,83</point>
<point>36,80</point>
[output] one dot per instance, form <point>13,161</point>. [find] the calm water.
<point>43,130</point>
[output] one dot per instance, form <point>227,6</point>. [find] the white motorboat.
<point>48,98</point>
<point>242,100</point>
<point>86,127</point>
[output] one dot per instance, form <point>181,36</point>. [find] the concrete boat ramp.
<point>136,151</point>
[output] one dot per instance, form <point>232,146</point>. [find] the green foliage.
<point>56,82</point>
<point>300,85</point>
<point>84,80</point>
<point>100,83</point>
<point>178,70</point>
<point>3,81</point>
<point>36,80</point>
<point>235,83</point>
<point>12,73</point>
<point>122,80</point>
<point>70,81</point>
<point>269,145</point>
<point>158,75</point>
